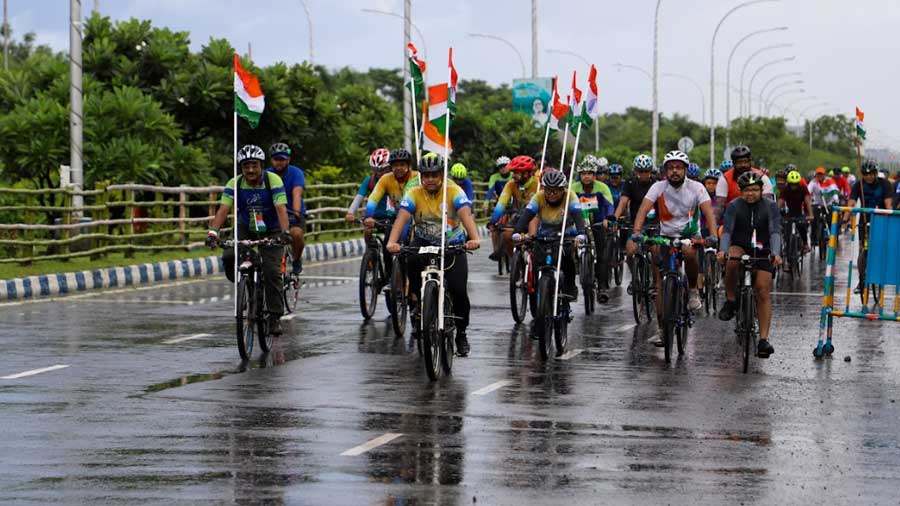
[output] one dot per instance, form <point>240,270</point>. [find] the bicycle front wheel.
<point>368,284</point>
<point>518,287</point>
<point>671,305</point>
<point>399,310</point>
<point>246,324</point>
<point>745,324</point>
<point>587,280</point>
<point>431,339</point>
<point>638,290</point>
<point>262,323</point>
<point>545,311</point>
<point>617,259</point>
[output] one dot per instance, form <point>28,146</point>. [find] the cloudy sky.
<point>843,49</point>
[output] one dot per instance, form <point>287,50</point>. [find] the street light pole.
<point>407,97</point>
<point>586,62</point>
<point>762,92</point>
<point>712,78</point>
<point>5,37</point>
<point>728,78</point>
<point>508,43</point>
<point>310,24</point>
<point>76,118</point>
<point>781,95</point>
<point>654,128</point>
<point>760,69</point>
<point>747,63</point>
<point>534,40</point>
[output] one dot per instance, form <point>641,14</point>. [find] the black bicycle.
<point>820,231</point>
<point>589,282</point>
<point>746,326</point>
<point>712,275</point>
<point>614,256</point>
<point>642,283</point>
<point>522,286</point>
<point>793,246</point>
<point>290,282</point>
<point>552,326</point>
<point>251,319</point>
<point>373,272</point>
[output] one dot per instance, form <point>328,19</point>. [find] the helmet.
<point>602,162</point>
<point>712,174</point>
<point>782,173</point>
<point>789,167</point>
<point>379,158</point>
<point>830,173</point>
<point>279,148</point>
<point>521,163</point>
<point>726,164</point>
<point>503,161</point>
<point>642,162</point>
<point>553,179</point>
<point>870,167</point>
<point>458,171</point>
<point>793,177</point>
<point>431,164</point>
<point>845,169</point>
<point>591,160</point>
<point>740,152</point>
<point>251,152</point>
<point>693,171</point>
<point>615,170</point>
<point>749,178</point>
<point>400,155</point>
<point>676,156</point>
<point>587,166</point>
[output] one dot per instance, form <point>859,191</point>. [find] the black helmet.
<point>553,179</point>
<point>432,163</point>
<point>740,152</point>
<point>279,148</point>
<point>750,178</point>
<point>870,167</point>
<point>782,173</point>
<point>400,155</point>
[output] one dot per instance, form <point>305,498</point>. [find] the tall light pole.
<point>773,79</point>
<point>747,63</point>
<point>728,77</point>
<point>762,67</point>
<point>712,78</point>
<point>76,118</point>
<point>699,90</point>
<point>780,96</point>
<point>414,27</point>
<point>97,6</point>
<point>534,40</point>
<point>5,28</point>
<point>654,126</point>
<point>508,43</point>
<point>586,62</point>
<point>310,24</point>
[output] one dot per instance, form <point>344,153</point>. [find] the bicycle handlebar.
<point>247,242</point>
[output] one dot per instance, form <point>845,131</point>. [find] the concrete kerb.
<point>63,283</point>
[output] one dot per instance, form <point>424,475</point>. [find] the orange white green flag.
<point>249,101</point>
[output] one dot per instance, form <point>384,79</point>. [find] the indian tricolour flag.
<point>860,127</point>
<point>829,189</point>
<point>442,101</point>
<point>558,110</point>
<point>575,105</point>
<point>590,109</point>
<point>249,100</point>
<point>416,83</point>
<point>433,131</point>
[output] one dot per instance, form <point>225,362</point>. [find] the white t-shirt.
<point>678,207</point>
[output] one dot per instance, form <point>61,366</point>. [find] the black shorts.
<point>759,265</point>
<point>297,221</point>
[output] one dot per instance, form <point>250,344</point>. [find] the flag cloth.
<point>829,189</point>
<point>559,110</point>
<point>432,138</point>
<point>416,71</point>
<point>860,127</point>
<point>249,101</point>
<point>860,115</point>
<point>575,104</point>
<point>590,109</point>
<point>442,101</point>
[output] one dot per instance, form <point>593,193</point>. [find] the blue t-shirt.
<point>466,185</point>
<point>616,192</point>
<point>292,177</point>
<point>253,200</point>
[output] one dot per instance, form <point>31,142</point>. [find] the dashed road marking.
<point>493,386</point>
<point>570,354</point>
<point>375,443</point>
<point>185,338</point>
<point>33,372</point>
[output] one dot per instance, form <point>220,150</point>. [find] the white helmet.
<point>251,152</point>
<point>676,155</point>
<point>503,161</point>
<point>603,163</point>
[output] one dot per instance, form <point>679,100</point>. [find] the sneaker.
<point>630,289</point>
<point>657,340</point>
<point>764,348</point>
<point>462,344</point>
<point>694,302</point>
<point>297,266</point>
<point>727,311</point>
<point>602,296</point>
<point>275,325</point>
<point>494,256</point>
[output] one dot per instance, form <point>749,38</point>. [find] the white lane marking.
<point>493,386</point>
<point>570,354</point>
<point>375,443</point>
<point>33,372</point>
<point>289,316</point>
<point>185,338</point>
<point>623,328</point>
<point>150,301</point>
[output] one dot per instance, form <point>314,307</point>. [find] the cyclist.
<point>752,226</point>
<point>602,169</point>
<point>294,185</point>
<point>823,189</point>
<point>874,193</point>
<point>795,202</point>
<point>842,182</point>
<point>678,200</point>
<point>693,172</point>
<point>378,162</point>
<point>728,188</point>
<point>726,165</point>
<point>459,173</point>
<point>422,205</point>
<point>710,180</point>
<point>548,206</point>
<point>851,179</point>
<point>261,213</point>
<point>633,192</point>
<point>596,207</point>
<point>615,183</point>
<point>498,179</point>
<point>391,187</point>
<point>516,194</point>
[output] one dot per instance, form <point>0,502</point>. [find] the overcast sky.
<point>843,49</point>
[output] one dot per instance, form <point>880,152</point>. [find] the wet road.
<point>154,407</point>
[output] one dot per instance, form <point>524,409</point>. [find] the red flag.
<point>859,115</point>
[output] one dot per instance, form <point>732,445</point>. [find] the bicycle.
<point>435,345</point>
<point>589,283</point>
<point>745,327</point>
<point>522,291</point>
<point>677,319</point>
<point>642,283</point>
<point>712,274</point>
<point>793,246</point>
<point>290,282</point>
<point>821,231</point>
<point>552,330</point>
<point>251,320</point>
<point>372,270</point>
<point>614,255</point>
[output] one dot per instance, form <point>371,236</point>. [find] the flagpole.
<point>234,221</point>
<point>440,301</point>
<point>544,152</point>
<point>562,236</point>
<point>415,121</point>
<point>562,159</point>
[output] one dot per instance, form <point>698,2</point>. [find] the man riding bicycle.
<point>677,200</point>
<point>615,184</point>
<point>596,207</point>
<point>294,186</point>
<point>378,162</point>
<point>422,205</point>
<point>752,226</point>
<point>460,176</point>
<point>874,193</point>
<point>261,213</point>
<point>728,188</point>
<point>516,194</point>
<point>795,201</point>
<point>391,187</point>
<point>633,192</point>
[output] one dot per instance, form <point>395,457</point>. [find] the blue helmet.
<point>615,170</point>
<point>642,162</point>
<point>726,164</point>
<point>693,170</point>
<point>712,174</point>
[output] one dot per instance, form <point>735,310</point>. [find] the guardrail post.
<point>129,214</point>
<point>66,233</point>
<point>182,213</point>
<point>102,214</point>
<point>27,235</point>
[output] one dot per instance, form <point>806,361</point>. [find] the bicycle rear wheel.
<point>671,306</point>
<point>561,324</point>
<point>745,324</point>
<point>246,323</point>
<point>682,329</point>
<point>368,283</point>
<point>399,310</point>
<point>518,288</point>
<point>448,337</point>
<point>637,289</point>
<point>618,266</point>
<point>587,280</point>
<point>431,338</point>
<point>262,323</point>
<point>545,323</point>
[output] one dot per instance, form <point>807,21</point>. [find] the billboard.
<point>532,97</point>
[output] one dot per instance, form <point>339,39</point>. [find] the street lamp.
<point>508,43</point>
<point>586,62</point>
<point>747,64</point>
<point>699,90</point>
<point>760,69</point>
<point>780,86</point>
<point>310,23</point>
<point>712,78</point>
<point>789,107</point>
<point>728,77</point>
<point>780,95</point>
<point>762,92</point>
<point>654,129</point>
<point>416,28</point>
<point>642,70</point>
